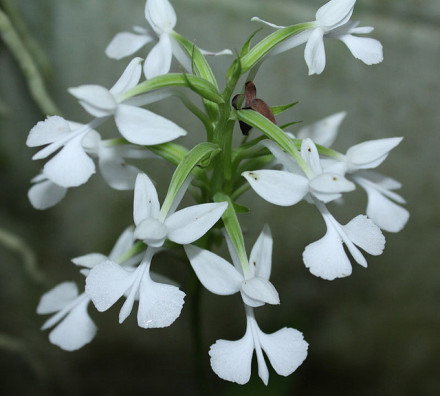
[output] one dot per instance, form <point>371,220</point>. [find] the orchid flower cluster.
<point>281,167</point>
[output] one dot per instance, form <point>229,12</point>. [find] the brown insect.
<point>252,103</point>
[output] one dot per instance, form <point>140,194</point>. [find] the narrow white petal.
<point>335,11</point>
<point>311,155</point>
<point>325,131</point>
<point>57,298</point>
<point>286,349</point>
<point>96,100</point>
<point>261,254</point>
<point>181,56</point>
<point>89,260</point>
<point>331,183</point>
<point>161,15</point>
<point>158,61</point>
<point>141,126</point>
<point>189,224</point>
<point>326,257</point>
<point>129,78</point>
<point>46,194</point>
<point>261,290</point>
<point>368,50</point>
<point>256,19</point>
<point>48,131</point>
<point>146,203</point>
<point>292,42</point>
<point>76,330</point>
<point>106,283</point>
<point>215,273</point>
<point>216,53</point>
<point>152,231</point>
<point>231,360</point>
<point>159,304</point>
<point>71,167</point>
<point>364,233</point>
<point>288,163</point>
<point>125,44</point>
<point>314,52</point>
<point>124,243</point>
<point>278,187</point>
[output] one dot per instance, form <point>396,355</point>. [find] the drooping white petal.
<point>283,158</point>
<point>292,42</point>
<point>181,56</point>
<point>215,273</point>
<point>368,50</point>
<point>159,304</point>
<point>335,12</point>
<point>71,167</point>
<point>76,330</point>
<point>141,126</point>
<point>261,254</point>
<point>57,298</point>
<point>256,19</point>
<point>325,131</point>
<point>46,194</point>
<point>96,100</point>
<point>106,283</point>
<point>261,289</point>
<point>152,231</point>
<point>286,349</point>
<point>129,78</point>
<point>48,131</point>
<point>314,52</point>
<point>89,260</point>
<point>161,15</point>
<point>158,61</point>
<point>278,187</point>
<point>231,360</point>
<point>189,224</point>
<point>125,44</point>
<point>146,203</point>
<point>326,257</point>
<point>364,233</point>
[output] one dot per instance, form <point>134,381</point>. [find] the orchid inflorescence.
<point>281,167</point>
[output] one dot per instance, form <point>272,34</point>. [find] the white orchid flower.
<point>44,193</point>
<point>286,349</point>
<point>333,21</point>
<point>137,125</point>
<point>251,280</point>
<point>162,18</point>
<point>288,187</point>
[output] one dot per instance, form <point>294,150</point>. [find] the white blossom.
<point>333,21</point>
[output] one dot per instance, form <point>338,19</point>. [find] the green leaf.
<point>264,46</point>
<point>247,44</point>
<point>240,208</point>
<point>200,155</point>
<point>172,152</point>
<point>233,228</point>
<point>284,126</point>
<point>199,85</point>
<point>279,109</point>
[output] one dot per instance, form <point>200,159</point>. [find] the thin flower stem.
<point>27,65</point>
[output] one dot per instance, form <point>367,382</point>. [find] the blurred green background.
<point>376,332</point>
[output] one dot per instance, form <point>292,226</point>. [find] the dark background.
<point>376,332</point>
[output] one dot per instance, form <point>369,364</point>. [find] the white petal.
<point>364,233</point>
<point>76,330</point>
<point>189,224</point>
<point>314,52</point>
<point>261,254</point>
<point>286,349</point>
<point>362,155</point>
<point>231,360</point>
<point>158,61</point>
<point>292,42</point>
<point>46,194</point>
<point>124,243</point>
<point>368,50</point>
<point>106,283</point>
<point>215,273</point>
<point>311,155</point>
<point>326,257</point>
<point>129,78</point>
<point>261,289</point>
<point>335,11</point>
<point>146,203</point>
<point>216,53</point>
<point>288,163</point>
<point>323,132</point>
<point>125,44</point>
<point>278,187</point>
<point>159,304</point>
<point>152,231</point>
<point>89,260</point>
<point>71,167</point>
<point>181,56</point>
<point>48,131</point>
<point>57,298</point>
<point>161,15</point>
<point>256,19</point>
<point>96,100</point>
<point>331,183</point>
<point>141,126</point>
